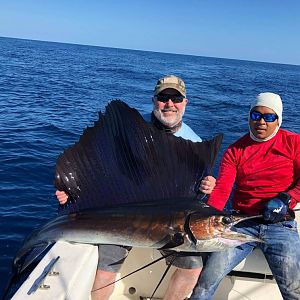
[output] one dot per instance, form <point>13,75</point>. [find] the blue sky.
<point>260,30</point>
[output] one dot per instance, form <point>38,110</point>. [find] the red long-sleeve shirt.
<point>260,171</point>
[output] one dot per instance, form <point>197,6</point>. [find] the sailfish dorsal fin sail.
<point>123,159</point>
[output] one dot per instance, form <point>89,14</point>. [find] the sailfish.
<point>131,184</point>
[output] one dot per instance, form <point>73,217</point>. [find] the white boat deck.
<point>77,267</point>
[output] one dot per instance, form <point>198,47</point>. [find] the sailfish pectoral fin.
<point>170,241</point>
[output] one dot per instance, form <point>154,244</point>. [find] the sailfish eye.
<point>226,220</point>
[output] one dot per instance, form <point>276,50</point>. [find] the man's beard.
<point>169,121</point>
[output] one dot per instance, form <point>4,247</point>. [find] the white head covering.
<point>272,101</point>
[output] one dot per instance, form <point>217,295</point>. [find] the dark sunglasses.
<point>166,98</point>
<point>257,116</point>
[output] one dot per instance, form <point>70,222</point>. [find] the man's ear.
<point>186,101</point>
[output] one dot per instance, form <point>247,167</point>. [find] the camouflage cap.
<point>170,82</point>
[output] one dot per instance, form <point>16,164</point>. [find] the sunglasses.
<point>166,98</point>
<point>257,116</point>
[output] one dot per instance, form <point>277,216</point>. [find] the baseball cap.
<point>170,82</point>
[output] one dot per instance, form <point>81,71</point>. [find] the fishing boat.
<point>67,272</point>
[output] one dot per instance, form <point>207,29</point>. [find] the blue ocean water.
<point>49,92</point>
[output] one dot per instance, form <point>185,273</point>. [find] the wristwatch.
<point>284,197</point>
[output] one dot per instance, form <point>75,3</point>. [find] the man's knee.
<point>188,275</point>
<point>105,276</point>
<point>190,272</point>
<point>103,286</point>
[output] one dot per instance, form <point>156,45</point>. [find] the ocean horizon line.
<point>151,51</point>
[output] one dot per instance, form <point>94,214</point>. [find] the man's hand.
<point>62,197</point>
<point>207,185</point>
<point>276,209</point>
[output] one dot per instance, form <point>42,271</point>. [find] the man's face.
<point>168,112</point>
<point>260,128</point>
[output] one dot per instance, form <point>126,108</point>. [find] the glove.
<point>277,208</point>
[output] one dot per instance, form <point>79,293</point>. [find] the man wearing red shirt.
<point>265,165</point>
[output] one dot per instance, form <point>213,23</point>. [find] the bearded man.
<point>169,103</point>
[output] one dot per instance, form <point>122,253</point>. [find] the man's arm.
<point>225,181</point>
<point>294,191</point>
<point>295,194</point>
